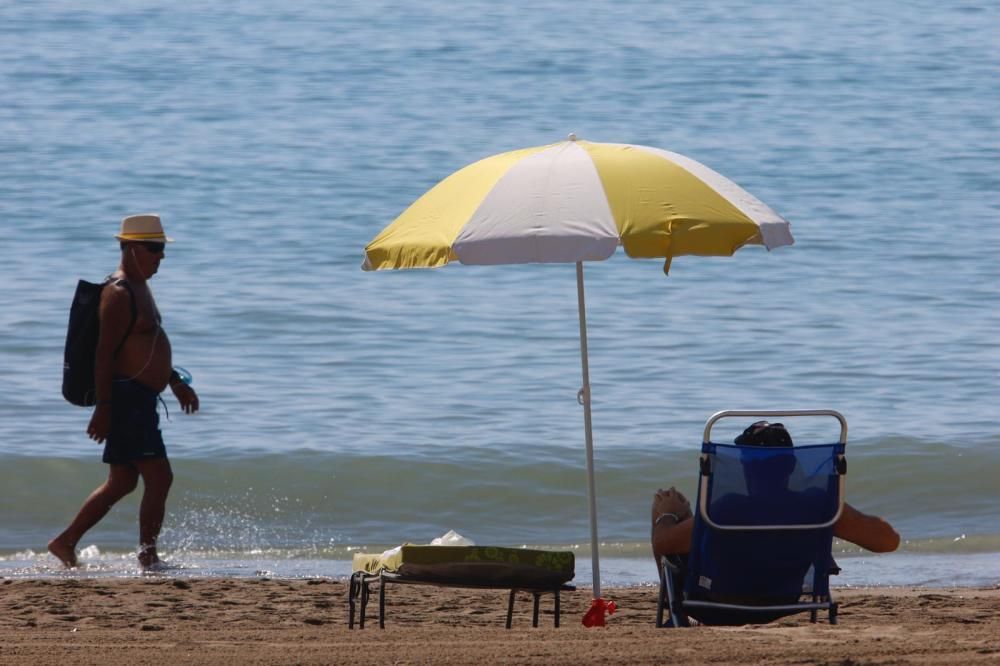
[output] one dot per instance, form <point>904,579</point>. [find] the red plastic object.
<point>598,609</point>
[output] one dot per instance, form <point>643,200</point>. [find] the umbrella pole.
<point>584,398</point>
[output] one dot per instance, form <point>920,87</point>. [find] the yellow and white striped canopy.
<point>576,201</point>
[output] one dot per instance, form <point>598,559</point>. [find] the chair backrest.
<point>764,520</point>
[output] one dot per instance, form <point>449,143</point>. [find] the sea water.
<point>345,411</point>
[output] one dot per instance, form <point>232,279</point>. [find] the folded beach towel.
<point>483,565</point>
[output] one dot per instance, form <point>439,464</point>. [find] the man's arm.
<point>672,522</point>
<point>870,532</point>
<point>186,396</point>
<point>671,538</point>
<point>115,315</point>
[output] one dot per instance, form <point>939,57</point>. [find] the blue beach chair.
<point>763,532</point>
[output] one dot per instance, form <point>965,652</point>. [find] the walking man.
<point>133,365</point>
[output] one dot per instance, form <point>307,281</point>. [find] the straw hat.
<point>146,227</point>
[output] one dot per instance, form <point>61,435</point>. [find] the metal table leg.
<point>381,603</point>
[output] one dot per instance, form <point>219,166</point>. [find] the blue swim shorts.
<point>135,424</point>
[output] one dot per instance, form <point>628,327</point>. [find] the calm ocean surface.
<point>346,411</point>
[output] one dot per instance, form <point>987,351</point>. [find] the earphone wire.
<point>156,336</point>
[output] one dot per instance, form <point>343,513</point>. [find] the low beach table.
<point>484,567</point>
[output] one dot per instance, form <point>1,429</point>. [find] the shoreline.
<point>267,620</point>
<point>900,569</point>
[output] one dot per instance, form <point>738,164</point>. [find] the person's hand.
<point>670,501</point>
<point>186,396</point>
<point>100,423</point>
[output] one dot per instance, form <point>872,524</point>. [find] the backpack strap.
<point>135,313</point>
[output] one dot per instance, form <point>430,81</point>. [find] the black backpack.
<point>81,341</point>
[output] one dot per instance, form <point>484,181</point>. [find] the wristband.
<point>666,515</point>
<point>179,374</point>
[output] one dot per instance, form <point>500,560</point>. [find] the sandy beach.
<point>211,621</point>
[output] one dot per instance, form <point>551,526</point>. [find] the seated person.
<point>673,536</point>
<point>672,518</point>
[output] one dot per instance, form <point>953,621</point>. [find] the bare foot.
<point>148,557</point>
<point>64,552</point>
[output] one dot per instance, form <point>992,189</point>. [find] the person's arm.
<point>870,532</point>
<point>672,521</point>
<point>115,314</point>
<point>185,395</point>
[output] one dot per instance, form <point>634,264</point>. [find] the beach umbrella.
<point>571,202</point>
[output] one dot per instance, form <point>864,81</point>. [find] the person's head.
<point>142,242</point>
<point>762,433</point>
<point>767,435</point>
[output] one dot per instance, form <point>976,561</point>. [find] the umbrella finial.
<point>571,137</point>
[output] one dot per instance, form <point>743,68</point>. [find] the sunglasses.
<point>155,248</point>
